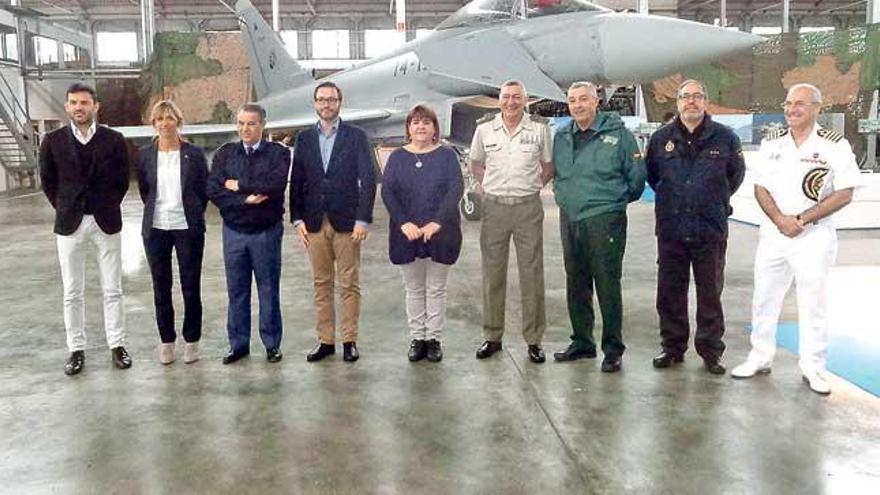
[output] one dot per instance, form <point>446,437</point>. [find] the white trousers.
<point>425,284</point>
<point>807,259</point>
<point>72,257</point>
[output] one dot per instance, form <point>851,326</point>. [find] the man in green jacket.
<point>599,170</point>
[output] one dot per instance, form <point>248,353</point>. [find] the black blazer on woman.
<point>73,185</point>
<point>193,176</point>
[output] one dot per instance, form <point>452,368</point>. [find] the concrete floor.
<point>384,425</point>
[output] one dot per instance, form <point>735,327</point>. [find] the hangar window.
<point>75,57</point>
<point>69,52</point>
<point>10,46</point>
<point>117,46</point>
<point>330,43</point>
<point>816,29</point>
<point>378,42</point>
<point>290,42</point>
<point>767,30</point>
<point>45,50</point>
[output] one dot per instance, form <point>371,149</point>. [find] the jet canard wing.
<point>491,53</point>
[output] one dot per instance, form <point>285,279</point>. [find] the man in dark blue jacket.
<point>333,187</point>
<point>694,166</point>
<point>247,183</point>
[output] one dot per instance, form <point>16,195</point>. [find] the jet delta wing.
<point>546,44</point>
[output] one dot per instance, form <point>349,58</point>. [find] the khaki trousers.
<point>524,222</point>
<point>333,253</point>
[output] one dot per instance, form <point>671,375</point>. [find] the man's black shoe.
<point>488,348</point>
<point>665,359</point>
<point>233,356</point>
<point>75,363</point>
<point>536,354</point>
<point>320,351</point>
<point>434,352</point>
<point>714,366</point>
<point>350,352</point>
<point>120,358</point>
<point>573,352</point>
<point>417,350</point>
<point>274,355</point>
<point>611,364</point>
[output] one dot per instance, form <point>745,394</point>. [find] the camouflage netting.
<point>206,74</point>
<point>844,64</point>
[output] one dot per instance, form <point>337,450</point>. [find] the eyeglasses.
<point>692,96</point>
<point>324,101</point>
<point>799,105</point>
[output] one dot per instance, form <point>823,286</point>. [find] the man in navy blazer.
<point>333,188</point>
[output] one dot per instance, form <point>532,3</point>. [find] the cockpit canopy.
<point>492,11</point>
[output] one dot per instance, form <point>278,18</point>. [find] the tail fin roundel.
<point>272,68</point>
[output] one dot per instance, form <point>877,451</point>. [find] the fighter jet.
<point>545,44</point>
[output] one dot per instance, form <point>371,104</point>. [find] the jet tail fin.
<point>272,68</point>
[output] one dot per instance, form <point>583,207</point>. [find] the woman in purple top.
<point>421,188</point>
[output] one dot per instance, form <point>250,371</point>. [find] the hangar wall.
<point>844,64</point>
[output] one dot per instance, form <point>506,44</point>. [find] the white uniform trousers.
<point>425,283</point>
<point>72,257</point>
<point>807,259</point>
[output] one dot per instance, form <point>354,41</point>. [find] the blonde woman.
<point>171,178</point>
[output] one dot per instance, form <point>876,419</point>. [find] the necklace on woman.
<point>418,159</point>
<point>419,162</point>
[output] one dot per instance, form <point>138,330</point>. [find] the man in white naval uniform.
<point>805,174</point>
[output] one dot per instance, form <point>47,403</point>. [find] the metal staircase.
<point>18,140</point>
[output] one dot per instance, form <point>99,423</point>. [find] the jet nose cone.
<point>640,48</point>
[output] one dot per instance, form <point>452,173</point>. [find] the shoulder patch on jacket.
<point>830,135</point>
<point>772,133</point>
<point>485,118</point>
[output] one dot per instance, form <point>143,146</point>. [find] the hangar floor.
<point>383,425</point>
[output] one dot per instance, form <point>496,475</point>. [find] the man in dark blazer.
<point>247,183</point>
<point>333,188</point>
<point>694,165</point>
<point>84,172</point>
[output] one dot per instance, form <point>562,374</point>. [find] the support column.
<point>148,28</point>
<point>400,15</point>
<point>276,16</point>
<point>639,104</point>
<point>356,40</point>
<point>872,19</point>
<point>786,13</point>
